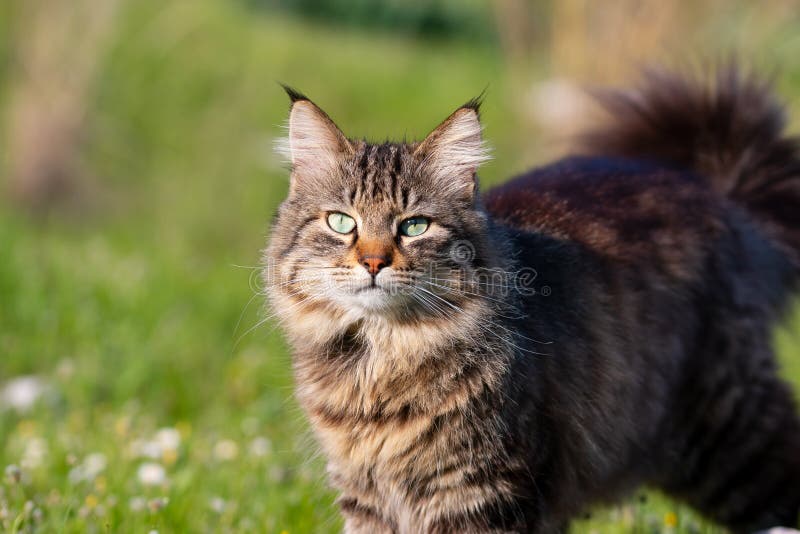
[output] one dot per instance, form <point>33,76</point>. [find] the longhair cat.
<point>499,362</point>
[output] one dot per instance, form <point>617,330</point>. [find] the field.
<point>134,320</point>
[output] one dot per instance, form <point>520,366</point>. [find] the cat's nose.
<point>373,263</point>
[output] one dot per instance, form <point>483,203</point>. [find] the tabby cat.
<point>498,362</point>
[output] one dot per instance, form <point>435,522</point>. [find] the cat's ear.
<point>452,152</point>
<point>314,144</point>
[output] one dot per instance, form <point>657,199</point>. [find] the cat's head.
<point>389,229</point>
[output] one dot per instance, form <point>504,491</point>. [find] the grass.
<point>163,406</point>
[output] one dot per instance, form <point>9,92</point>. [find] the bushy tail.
<point>730,129</point>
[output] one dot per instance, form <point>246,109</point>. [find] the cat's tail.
<point>729,129</point>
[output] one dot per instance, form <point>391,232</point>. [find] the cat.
<point>499,362</point>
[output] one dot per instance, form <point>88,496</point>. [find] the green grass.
<point>141,313</point>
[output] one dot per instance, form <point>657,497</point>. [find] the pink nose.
<point>374,263</point>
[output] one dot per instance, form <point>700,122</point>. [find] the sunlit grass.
<point>159,406</point>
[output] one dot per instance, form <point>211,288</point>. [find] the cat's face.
<point>390,229</point>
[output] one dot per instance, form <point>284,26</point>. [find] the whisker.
<point>492,323</point>
<point>480,295</point>
<point>276,315</point>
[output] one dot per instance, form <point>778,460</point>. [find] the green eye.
<point>414,226</point>
<point>339,222</point>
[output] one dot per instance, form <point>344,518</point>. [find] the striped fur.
<point>637,351</point>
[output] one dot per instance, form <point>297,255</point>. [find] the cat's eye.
<point>341,223</point>
<point>414,226</point>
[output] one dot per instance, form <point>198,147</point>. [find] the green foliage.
<point>145,313</point>
<point>463,19</point>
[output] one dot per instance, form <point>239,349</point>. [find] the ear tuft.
<point>475,103</point>
<point>294,95</point>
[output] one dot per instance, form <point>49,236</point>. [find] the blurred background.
<point>142,385</point>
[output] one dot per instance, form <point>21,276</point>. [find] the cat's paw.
<point>779,530</point>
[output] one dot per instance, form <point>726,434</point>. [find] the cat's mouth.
<point>373,285</point>
<point>375,295</point>
<point>372,288</point>
<point>370,294</point>
<point>371,298</point>
<point>376,290</point>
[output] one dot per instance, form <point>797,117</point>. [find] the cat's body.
<point>478,399</point>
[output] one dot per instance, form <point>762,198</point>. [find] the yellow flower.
<point>122,426</point>
<point>26,427</point>
<point>670,519</point>
<point>91,501</point>
<point>100,484</point>
<point>169,456</point>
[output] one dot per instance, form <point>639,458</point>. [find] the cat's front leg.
<point>360,518</point>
